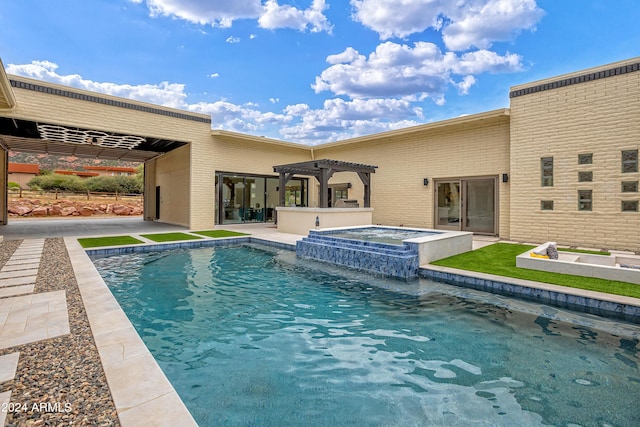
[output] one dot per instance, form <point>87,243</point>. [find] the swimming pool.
<point>250,336</point>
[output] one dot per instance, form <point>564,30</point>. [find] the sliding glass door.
<point>448,206</point>
<point>480,206</point>
<point>253,198</point>
<point>466,204</point>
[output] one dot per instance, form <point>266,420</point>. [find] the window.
<point>547,171</point>
<point>585,176</point>
<point>341,193</point>
<point>630,186</point>
<point>629,161</point>
<point>584,200</point>
<point>629,206</point>
<point>585,159</point>
<point>546,205</point>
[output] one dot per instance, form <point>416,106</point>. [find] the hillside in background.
<point>51,162</point>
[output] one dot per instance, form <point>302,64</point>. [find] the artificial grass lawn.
<point>93,242</point>
<point>170,237</point>
<point>500,259</point>
<point>219,233</point>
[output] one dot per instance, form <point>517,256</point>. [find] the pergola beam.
<point>323,170</point>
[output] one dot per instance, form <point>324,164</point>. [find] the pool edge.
<point>141,392</point>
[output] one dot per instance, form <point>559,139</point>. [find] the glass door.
<point>448,205</point>
<point>479,206</point>
<point>233,195</point>
<point>466,204</point>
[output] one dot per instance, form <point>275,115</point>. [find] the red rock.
<point>55,210</point>
<point>121,210</point>
<point>68,210</point>
<point>40,211</point>
<point>20,210</point>
<point>86,211</point>
<point>137,210</point>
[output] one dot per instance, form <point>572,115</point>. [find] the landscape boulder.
<point>20,209</point>
<point>86,211</point>
<point>68,210</point>
<point>40,211</point>
<point>121,210</point>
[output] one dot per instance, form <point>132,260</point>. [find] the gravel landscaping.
<point>63,376</point>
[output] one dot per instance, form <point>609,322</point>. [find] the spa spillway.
<point>390,251</point>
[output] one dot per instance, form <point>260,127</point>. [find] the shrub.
<point>112,184</point>
<point>13,186</point>
<point>57,182</point>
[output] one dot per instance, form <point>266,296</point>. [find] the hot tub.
<point>391,251</point>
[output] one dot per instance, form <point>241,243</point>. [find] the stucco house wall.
<point>595,111</point>
<point>469,146</point>
<point>196,208</point>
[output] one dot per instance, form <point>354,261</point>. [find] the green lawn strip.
<point>500,259</point>
<point>219,233</point>
<point>94,242</point>
<point>170,237</point>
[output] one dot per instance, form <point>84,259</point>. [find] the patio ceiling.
<point>46,138</point>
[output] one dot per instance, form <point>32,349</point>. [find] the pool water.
<point>393,236</point>
<point>251,336</point>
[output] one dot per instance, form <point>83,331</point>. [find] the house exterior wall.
<point>244,154</point>
<point>195,208</point>
<point>477,146</point>
<point>21,178</point>
<point>600,116</point>
<point>173,175</point>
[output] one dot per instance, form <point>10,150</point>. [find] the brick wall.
<point>597,114</point>
<point>472,147</point>
<point>187,193</point>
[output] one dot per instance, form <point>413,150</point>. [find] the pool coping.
<point>142,393</point>
<point>611,306</point>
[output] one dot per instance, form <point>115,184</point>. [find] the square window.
<point>629,161</point>
<point>629,206</point>
<point>585,202</point>
<point>585,159</point>
<point>547,171</point>
<point>585,176</point>
<point>546,205</point>
<point>630,186</point>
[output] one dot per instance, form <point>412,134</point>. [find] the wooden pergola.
<point>323,170</point>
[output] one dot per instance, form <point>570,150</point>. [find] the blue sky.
<point>314,71</point>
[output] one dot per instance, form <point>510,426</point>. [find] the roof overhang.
<point>7,98</point>
<point>36,137</point>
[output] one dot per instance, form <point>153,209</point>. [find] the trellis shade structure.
<point>323,170</point>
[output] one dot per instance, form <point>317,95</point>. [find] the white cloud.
<point>398,18</point>
<point>214,75</point>
<point>232,40</point>
<point>164,93</point>
<point>222,13</point>
<point>464,23</point>
<point>489,21</point>
<point>285,16</point>
<point>218,13</point>
<point>340,119</point>
<point>398,70</point>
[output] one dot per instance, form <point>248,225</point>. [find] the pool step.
<point>390,260</point>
